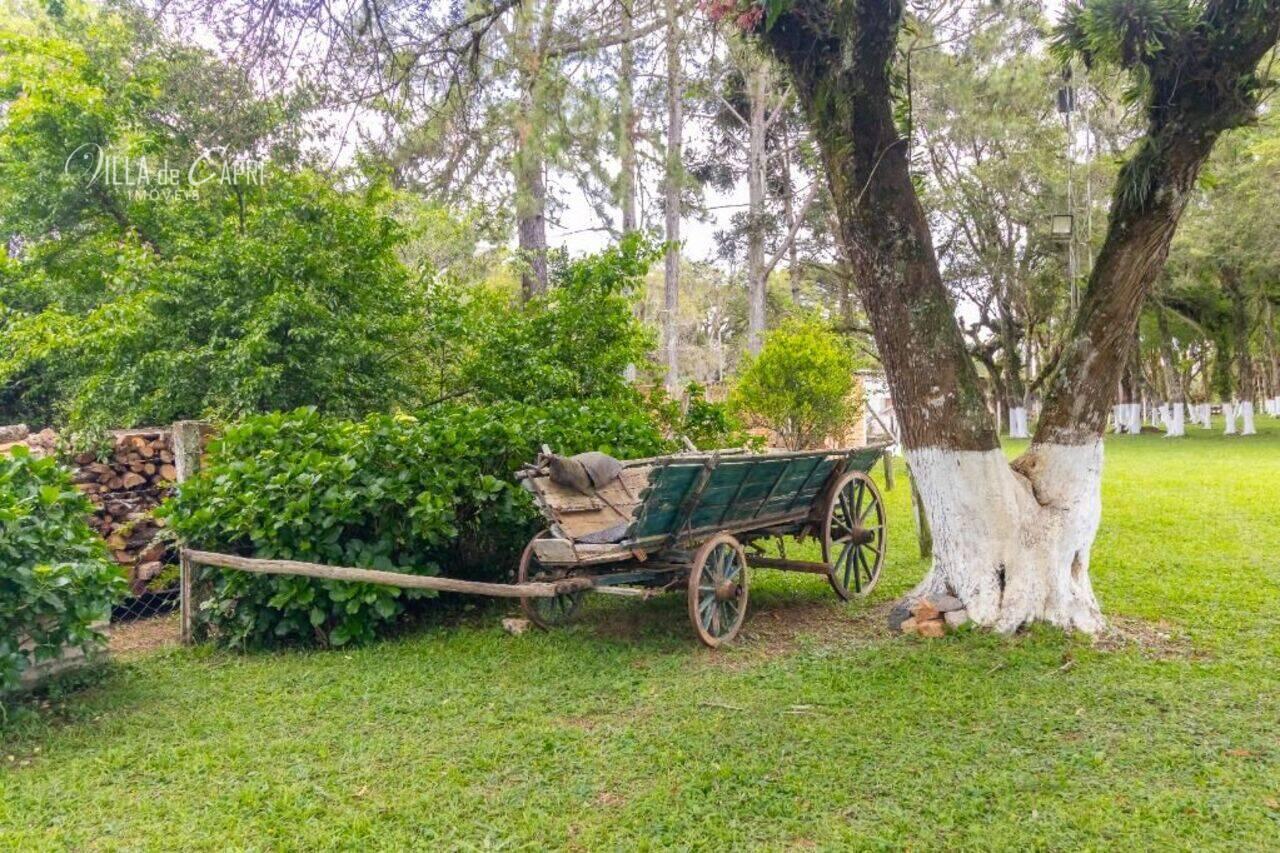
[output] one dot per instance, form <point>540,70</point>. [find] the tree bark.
<point>757,277</point>
<point>1011,541</point>
<point>1233,284</point>
<point>627,127</point>
<point>529,166</point>
<point>1272,355</point>
<point>789,211</point>
<point>672,181</point>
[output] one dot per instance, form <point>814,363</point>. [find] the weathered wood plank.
<point>400,579</point>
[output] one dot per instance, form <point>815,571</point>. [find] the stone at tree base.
<point>933,628</point>
<point>956,618</point>
<point>946,603</point>
<point>908,626</point>
<point>899,614</point>
<point>924,609</point>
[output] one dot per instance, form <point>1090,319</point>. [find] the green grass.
<point>622,733</point>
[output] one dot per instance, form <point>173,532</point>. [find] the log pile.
<point>930,616</point>
<point>125,487</point>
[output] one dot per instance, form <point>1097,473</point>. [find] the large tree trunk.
<point>757,278</point>
<point>1012,541</point>
<point>1127,410</point>
<point>1233,284</point>
<point>672,180</point>
<point>1272,355</point>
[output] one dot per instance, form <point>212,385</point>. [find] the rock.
<point>933,628</point>
<point>908,627</point>
<point>956,618</point>
<point>515,627</point>
<point>946,603</point>
<point>13,433</point>
<point>924,610</point>
<point>899,614</point>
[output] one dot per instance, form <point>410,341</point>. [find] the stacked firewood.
<point>126,487</point>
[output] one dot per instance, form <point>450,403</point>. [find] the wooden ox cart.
<point>686,521</point>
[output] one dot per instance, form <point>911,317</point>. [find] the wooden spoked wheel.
<point>718,590</point>
<point>551,612</point>
<point>853,535</point>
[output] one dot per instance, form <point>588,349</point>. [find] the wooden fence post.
<point>188,444</point>
<point>888,470</point>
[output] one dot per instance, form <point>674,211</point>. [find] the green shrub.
<point>56,579</point>
<point>429,495</point>
<point>708,425</point>
<point>575,341</point>
<point>801,385</point>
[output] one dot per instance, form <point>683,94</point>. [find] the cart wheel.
<point>551,612</point>
<point>853,536</point>
<point>718,590</point>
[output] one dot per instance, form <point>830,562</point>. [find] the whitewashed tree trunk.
<point>1018,424</point>
<point>1206,415</point>
<point>1176,425</point>
<point>1013,541</point>
<point>1229,418</point>
<point>1134,419</point>
<point>1245,410</point>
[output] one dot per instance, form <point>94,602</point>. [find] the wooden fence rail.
<point>532,589</point>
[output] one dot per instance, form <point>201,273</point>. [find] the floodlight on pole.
<point>1062,226</point>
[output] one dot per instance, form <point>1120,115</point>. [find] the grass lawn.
<point>818,729</point>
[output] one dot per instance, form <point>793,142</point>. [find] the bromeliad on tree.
<point>1012,540</point>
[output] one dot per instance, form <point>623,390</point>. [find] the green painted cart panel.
<point>687,494</point>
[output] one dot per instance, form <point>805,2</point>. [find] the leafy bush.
<point>56,579</point>
<point>301,301</point>
<point>574,342</point>
<point>708,425</point>
<point>422,495</point>
<point>801,385</point>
